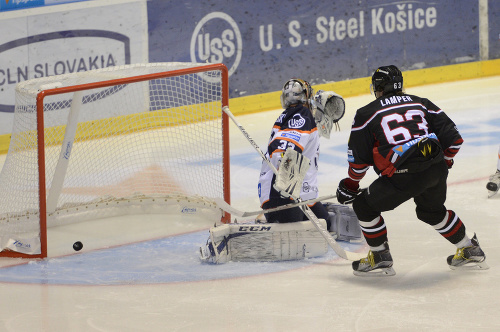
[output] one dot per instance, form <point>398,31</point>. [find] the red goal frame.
<point>103,84</point>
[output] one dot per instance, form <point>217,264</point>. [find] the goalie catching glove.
<point>291,173</point>
<point>329,108</point>
<point>347,191</point>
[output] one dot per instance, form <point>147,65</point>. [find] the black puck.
<point>77,246</point>
<point>491,186</point>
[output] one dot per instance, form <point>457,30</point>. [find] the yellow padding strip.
<point>360,86</point>
<point>120,125</point>
<point>349,88</point>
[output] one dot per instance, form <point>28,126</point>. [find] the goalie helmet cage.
<point>132,139</point>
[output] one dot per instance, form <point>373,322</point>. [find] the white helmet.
<point>329,109</point>
<point>296,91</point>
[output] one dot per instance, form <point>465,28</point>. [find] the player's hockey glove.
<point>347,191</point>
<point>449,163</point>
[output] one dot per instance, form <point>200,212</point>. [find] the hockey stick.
<point>228,208</point>
<point>255,145</point>
<point>310,215</point>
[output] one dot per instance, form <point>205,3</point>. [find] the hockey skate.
<point>471,257</point>
<point>494,184</point>
<point>376,264</point>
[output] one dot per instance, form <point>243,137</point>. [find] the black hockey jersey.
<point>385,132</point>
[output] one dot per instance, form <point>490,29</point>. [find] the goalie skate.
<point>469,258</point>
<point>376,264</point>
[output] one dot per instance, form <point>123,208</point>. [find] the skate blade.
<point>492,193</point>
<point>382,272</point>
<point>471,266</point>
<point>204,257</point>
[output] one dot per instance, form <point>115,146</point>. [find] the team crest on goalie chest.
<point>297,121</point>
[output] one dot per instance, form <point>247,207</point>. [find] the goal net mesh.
<point>153,145</point>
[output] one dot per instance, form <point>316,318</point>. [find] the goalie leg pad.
<point>264,242</point>
<point>344,222</point>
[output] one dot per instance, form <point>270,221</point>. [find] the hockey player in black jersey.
<point>410,143</point>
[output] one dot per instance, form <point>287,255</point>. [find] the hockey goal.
<point>134,139</point>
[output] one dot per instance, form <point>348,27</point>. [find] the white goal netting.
<point>149,145</point>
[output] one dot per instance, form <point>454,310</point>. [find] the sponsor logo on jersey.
<point>350,157</point>
<point>401,149</point>
<point>293,136</point>
<point>297,121</point>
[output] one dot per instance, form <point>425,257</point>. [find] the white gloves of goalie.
<point>291,173</point>
<point>329,108</point>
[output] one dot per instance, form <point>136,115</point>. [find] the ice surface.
<point>122,282</point>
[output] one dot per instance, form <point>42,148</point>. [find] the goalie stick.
<point>348,255</point>
<point>228,208</point>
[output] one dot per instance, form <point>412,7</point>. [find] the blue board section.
<point>23,4</point>
<point>13,4</point>
<point>173,259</point>
<point>494,29</point>
<point>264,43</point>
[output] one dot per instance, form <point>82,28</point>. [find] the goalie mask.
<point>296,91</point>
<point>329,109</point>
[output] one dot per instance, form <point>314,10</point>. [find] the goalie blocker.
<point>249,242</point>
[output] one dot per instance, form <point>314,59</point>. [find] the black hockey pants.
<point>427,188</point>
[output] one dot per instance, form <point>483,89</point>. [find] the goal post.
<point>125,140</point>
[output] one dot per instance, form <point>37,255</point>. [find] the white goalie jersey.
<point>295,128</point>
